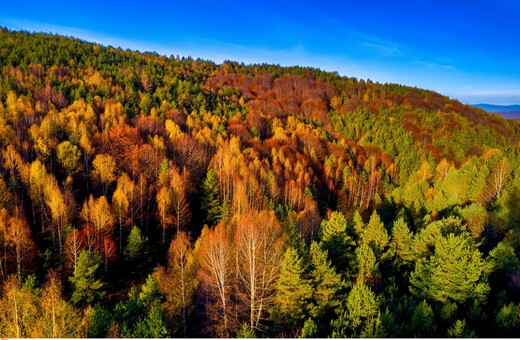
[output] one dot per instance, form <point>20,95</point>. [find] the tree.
<point>59,208</point>
<point>361,304</point>
<point>360,318</point>
<point>476,217</point>
<point>19,310</point>
<point>337,242</point>
<point>460,329</point>
<point>104,170</point>
<point>19,238</point>
<point>402,240</point>
<point>164,205</point>
<point>140,315</point>
<point>423,320</point>
<point>37,179</point>
<point>292,291</point>
<point>122,201</point>
<point>108,250</point>
<point>136,250</point>
<point>375,234</point>
<point>507,318</point>
<point>58,318</point>
<point>326,284</point>
<point>177,282</point>
<point>215,261</point>
<point>98,213</point>
<point>135,247</point>
<point>87,288</point>
<point>69,157</point>
<point>259,240</point>
<point>210,202</point>
<point>152,325</point>
<point>367,262</point>
<point>498,177</point>
<point>74,245</point>
<point>454,273</point>
<point>181,207</point>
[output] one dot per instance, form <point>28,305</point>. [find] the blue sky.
<point>469,50</point>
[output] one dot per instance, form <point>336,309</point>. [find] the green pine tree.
<point>401,240</point>
<point>423,321</point>
<point>210,202</point>
<point>334,239</point>
<point>87,288</point>
<point>361,305</point>
<point>375,234</point>
<point>326,283</point>
<point>136,250</point>
<point>454,273</point>
<point>292,291</point>
<point>367,262</point>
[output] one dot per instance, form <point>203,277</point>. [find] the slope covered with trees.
<point>145,196</point>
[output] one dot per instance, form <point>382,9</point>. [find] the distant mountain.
<point>506,111</point>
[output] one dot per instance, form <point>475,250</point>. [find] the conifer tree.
<point>210,202</point>
<point>292,291</point>
<point>87,287</point>
<point>337,242</point>
<point>423,321</point>
<point>326,283</point>
<point>454,273</point>
<point>375,234</point>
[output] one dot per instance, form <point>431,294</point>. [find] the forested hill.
<point>152,196</point>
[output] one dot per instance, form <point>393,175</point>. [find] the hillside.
<point>154,196</point>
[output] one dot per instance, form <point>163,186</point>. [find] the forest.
<point>143,195</point>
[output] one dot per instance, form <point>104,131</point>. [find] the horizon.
<point>394,43</point>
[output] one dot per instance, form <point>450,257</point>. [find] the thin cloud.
<point>383,50</point>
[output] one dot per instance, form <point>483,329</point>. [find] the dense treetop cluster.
<point>144,196</point>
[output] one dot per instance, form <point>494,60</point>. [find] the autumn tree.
<point>58,318</point>
<point>177,282</point>
<point>259,241</point>
<point>104,170</point>
<point>98,213</point>
<point>74,245</point>
<point>59,207</point>
<point>20,242</point>
<point>37,179</point>
<point>69,156</point>
<point>19,310</point>
<point>180,205</point>
<point>498,178</point>
<point>108,251</point>
<point>216,268</point>
<point>164,205</point>
<point>122,202</point>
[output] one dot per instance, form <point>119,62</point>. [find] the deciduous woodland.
<point>152,196</point>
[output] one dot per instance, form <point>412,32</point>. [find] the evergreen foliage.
<point>87,287</point>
